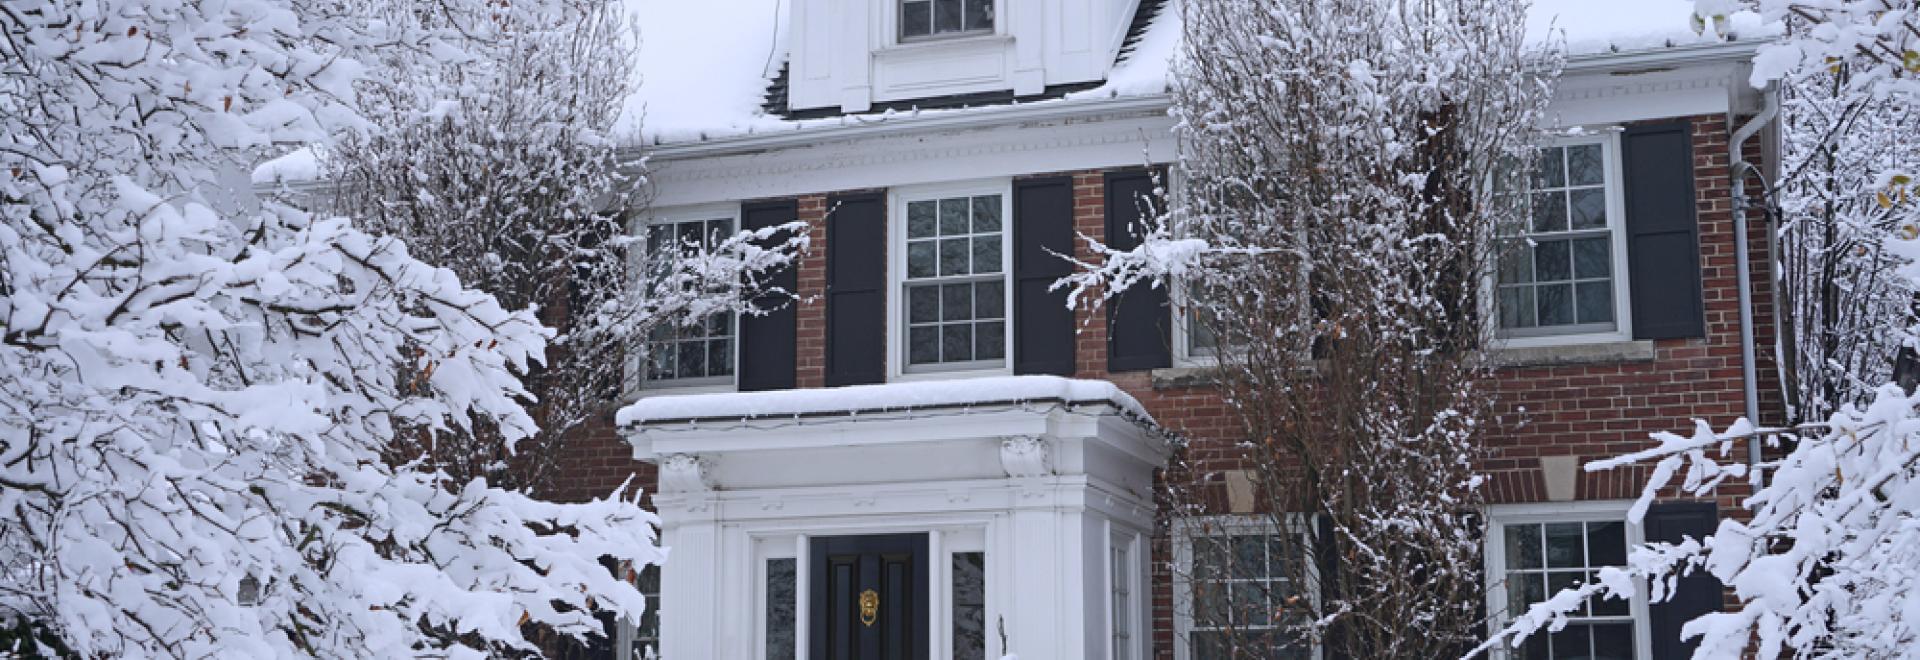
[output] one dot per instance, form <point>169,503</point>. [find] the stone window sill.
<point>1568,354</point>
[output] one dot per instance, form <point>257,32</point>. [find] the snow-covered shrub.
<point>197,389</point>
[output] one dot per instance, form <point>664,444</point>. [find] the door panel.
<point>872,602</point>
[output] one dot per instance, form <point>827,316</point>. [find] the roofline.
<point>863,127</point>
<point>934,120</point>
<point>1731,51</point>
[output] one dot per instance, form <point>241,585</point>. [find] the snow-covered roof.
<point>887,398</point>
<point>705,67</point>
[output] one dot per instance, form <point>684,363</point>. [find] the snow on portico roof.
<point>704,67</point>
<point>873,399</point>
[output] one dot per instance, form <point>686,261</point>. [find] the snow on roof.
<point>1595,27</point>
<point>704,66</point>
<point>868,399</point>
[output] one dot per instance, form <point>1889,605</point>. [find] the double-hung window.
<point>1535,551</point>
<point>699,352</point>
<point>953,279</point>
<point>922,19</point>
<point>1560,273</point>
<point>1235,584</point>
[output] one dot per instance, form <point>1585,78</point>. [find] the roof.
<point>883,398</point>
<point>717,68</point>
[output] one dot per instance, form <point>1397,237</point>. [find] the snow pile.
<point>880,398</point>
<point>297,166</point>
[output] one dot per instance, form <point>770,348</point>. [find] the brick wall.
<point>1583,410</point>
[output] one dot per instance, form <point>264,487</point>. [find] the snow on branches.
<point>1346,170</point>
<point>196,388</point>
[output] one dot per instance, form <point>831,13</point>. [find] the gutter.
<point>1740,167</point>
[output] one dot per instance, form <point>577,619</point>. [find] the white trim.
<point>1501,515</point>
<point>635,383</point>
<point>1608,137</point>
<point>897,199</point>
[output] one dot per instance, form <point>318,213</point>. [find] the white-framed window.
<point>640,640</point>
<point>1535,550</point>
<point>952,309</point>
<point>1233,579</point>
<point>1125,596</point>
<point>1562,277</point>
<point>703,354</point>
<point>932,19</point>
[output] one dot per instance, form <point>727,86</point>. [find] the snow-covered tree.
<point>198,390</point>
<point>502,167</point>
<point>1825,565</point>
<point>1347,169</point>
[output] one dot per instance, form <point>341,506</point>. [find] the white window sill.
<point>670,390</point>
<point>953,374</point>
<point>1612,349</point>
<point>934,44</point>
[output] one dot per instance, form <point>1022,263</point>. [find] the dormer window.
<point>925,19</point>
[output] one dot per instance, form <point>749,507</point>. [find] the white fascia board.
<point>865,430</point>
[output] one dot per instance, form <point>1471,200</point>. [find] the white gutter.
<point>1749,376</point>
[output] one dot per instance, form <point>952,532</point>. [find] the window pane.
<point>1523,546</point>
<point>1584,167</point>
<point>923,344</point>
<point>1551,262</point>
<point>1552,171</point>
<point>1594,302</point>
<point>956,302</point>
<point>1516,262</point>
<point>916,19</point>
<point>780,604</point>
<point>1209,557</point>
<point>1575,641</point>
<point>1523,590</point>
<point>1592,257</point>
<point>969,606</point>
<point>920,215</point>
<point>693,359</point>
<point>1554,304</point>
<point>956,342</point>
<point>979,14</point>
<point>1210,604</point>
<point>989,300</point>
<point>1249,556</point>
<point>1589,208</point>
<point>1207,645</point>
<point>1549,211</point>
<point>923,304</point>
<point>953,216</point>
<point>986,254</point>
<point>946,16</point>
<point>1566,548</point>
<point>1613,641</point>
<point>1608,605</point>
<point>1249,603</point>
<point>921,261</point>
<point>989,341</point>
<point>1607,544</point>
<point>720,357</point>
<point>953,256</point>
<point>1516,307</point>
<point>717,232</point>
<point>986,208</point>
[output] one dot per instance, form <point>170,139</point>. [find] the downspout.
<point>1749,372</point>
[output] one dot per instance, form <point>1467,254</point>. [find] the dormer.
<point>849,56</point>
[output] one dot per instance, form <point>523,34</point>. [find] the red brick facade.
<point>1588,411</point>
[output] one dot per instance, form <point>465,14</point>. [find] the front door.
<point>869,597</point>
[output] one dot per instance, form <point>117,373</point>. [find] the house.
<point>932,457</point>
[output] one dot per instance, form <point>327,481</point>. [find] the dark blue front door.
<point>869,597</point>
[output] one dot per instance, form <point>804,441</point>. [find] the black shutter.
<point>1138,320</point>
<point>767,343</point>
<point>1042,324</point>
<point>1696,594</point>
<point>1663,239</point>
<point>856,289</point>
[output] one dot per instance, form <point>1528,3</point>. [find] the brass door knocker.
<point>869,607</point>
